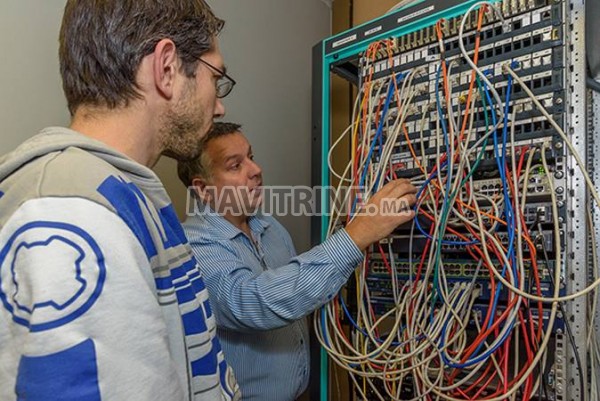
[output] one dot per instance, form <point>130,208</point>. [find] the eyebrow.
<point>232,157</point>
<point>236,156</point>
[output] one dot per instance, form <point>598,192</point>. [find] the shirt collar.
<point>223,228</point>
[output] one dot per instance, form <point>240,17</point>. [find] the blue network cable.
<point>361,331</point>
<point>379,132</point>
<point>418,224</point>
<point>395,82</point>
<point>378,135</point>
<point>510,251</point>
<point>508,210</point>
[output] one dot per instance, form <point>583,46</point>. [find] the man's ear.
<point>200,188</point>
<point>165,66</point>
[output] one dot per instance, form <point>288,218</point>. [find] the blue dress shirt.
<point>261,292</point>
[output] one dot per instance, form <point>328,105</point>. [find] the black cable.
<point>525,304</point>
<point>593,84</point>
<point>544,385</point>
<point>565,317</point>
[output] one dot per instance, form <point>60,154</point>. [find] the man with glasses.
<point>101,298</point>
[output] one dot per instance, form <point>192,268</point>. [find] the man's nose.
<point>219,109</point>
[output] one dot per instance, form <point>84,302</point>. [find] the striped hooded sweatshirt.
<point>101,298</point>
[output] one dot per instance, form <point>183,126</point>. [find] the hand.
<point>386,210</point>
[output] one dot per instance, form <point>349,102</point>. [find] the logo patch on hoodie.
<point>58,292</point>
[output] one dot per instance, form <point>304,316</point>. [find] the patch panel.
<point>481,311</point>
<point>455,268</point>
<point>454,243</point>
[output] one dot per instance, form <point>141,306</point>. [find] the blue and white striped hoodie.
<point>101,298</point>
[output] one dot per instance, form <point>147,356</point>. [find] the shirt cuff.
<point>343,252</point>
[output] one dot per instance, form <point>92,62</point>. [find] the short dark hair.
<point>102,43</point>
<point>200,166</point>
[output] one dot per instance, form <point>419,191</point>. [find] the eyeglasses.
<point>224,83</point>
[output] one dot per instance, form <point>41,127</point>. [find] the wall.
<point>267,47</point>
<point>31,97</point>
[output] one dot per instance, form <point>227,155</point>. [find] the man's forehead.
<point>227,146</point>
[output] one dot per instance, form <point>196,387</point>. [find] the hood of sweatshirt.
<point>56,139</point>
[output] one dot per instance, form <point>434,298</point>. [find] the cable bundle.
<point>438,337</point>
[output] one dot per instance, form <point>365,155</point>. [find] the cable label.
<point>416,14</point>
<point>373,30</point>
<point>340,42</point>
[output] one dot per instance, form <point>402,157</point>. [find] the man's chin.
<point>181,155</point>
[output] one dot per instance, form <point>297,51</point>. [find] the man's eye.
<point>251,157</point>
<point>234,166</point>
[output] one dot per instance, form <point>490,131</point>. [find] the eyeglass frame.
<point>222,76</point>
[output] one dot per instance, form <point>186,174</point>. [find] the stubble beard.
<point>182,127</point>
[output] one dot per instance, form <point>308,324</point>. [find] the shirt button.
<point>301,342</point>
